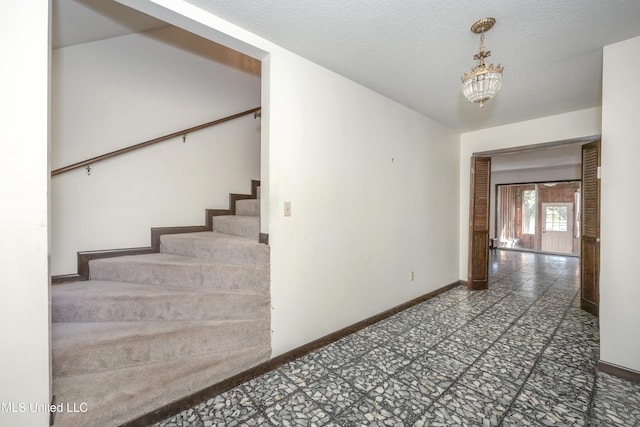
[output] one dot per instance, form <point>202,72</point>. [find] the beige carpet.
<point>147,330</point>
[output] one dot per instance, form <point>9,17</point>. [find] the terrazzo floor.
<point>520,354</point>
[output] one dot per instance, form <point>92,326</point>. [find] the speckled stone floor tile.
<point>471,339</point>
<point>394,325</point>
<point>496,324</point>
<point>409,346</point>
<point>515,418</point>
<point>495,320</point>
<point>368,412</point>
<point>229,408</point>
<point>378,334</point>
<point>436,305</point>
<point>545,408</point>
<point>439,362</point>
<point>297,409</point>
<point>424,334</point>
<point>457,350</point>
<point>510,369</point>
<point>568,374</point>
<point>576,355</point>
<point>491,385</point>
<point>403,400</point>
<point>525,343</point>
<point>450,319</point>
<point>386,360</point>
<point>269,388</point>
<point>415,315</point>
<point>521,354</point>
<point>463,314</point>
<point>187,418</point>
<point>333,393</point>
<point>534,333</point>
<point>616,402</point>
<point>434,327</point>
<point>461,405</point>
<point>468,310</point>
<point>575,395</point>
<point>431,383</point>
<point>336,354</point>
<point>305,370</point>
<point>363,375</point>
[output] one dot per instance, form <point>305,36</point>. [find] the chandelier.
<point>483,81</point>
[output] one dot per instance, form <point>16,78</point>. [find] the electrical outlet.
<point>412,276</point>
<point>287,208</point>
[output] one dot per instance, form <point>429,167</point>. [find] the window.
<point>556,218</point>
<point>529,211</point>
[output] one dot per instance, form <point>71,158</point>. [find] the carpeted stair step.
<point>83,348</point>
<point>179,271</point>
<point>247,226</point>
<point>248,207</point>
<point>219,247</point>
<point>103,301</point>
<point>147,330</point>
<point>115,397</point>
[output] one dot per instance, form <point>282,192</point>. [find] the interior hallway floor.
<point>520,354</point>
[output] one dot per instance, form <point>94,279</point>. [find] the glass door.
<point>557,228</point>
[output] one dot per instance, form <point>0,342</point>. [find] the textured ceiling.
<point>414,51</point>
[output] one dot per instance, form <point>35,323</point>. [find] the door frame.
<point>525,148</point>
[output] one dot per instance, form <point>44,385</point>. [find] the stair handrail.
<point>183,133</point>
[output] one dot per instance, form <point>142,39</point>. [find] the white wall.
<point>363,175</point>
<point>370,185</point>
<point>620,230</point>
<point>125,90</point>
<point>24,306</point>
<point>560,127</point>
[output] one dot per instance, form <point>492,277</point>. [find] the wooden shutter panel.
<point>478,275</point>
<point>590,241</point>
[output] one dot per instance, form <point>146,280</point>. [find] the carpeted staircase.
<point>146,330</point>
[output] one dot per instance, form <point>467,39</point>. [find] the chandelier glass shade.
<point>483,81</point>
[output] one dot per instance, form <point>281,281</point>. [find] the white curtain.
<point>507,213</point>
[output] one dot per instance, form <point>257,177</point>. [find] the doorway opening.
<point>555,215</point>
<point>538,217</point>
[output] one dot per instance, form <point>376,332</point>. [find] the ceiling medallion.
<point>483,81</point>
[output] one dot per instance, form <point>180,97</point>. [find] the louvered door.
<point>590,241</point>
<point>478,277</point>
